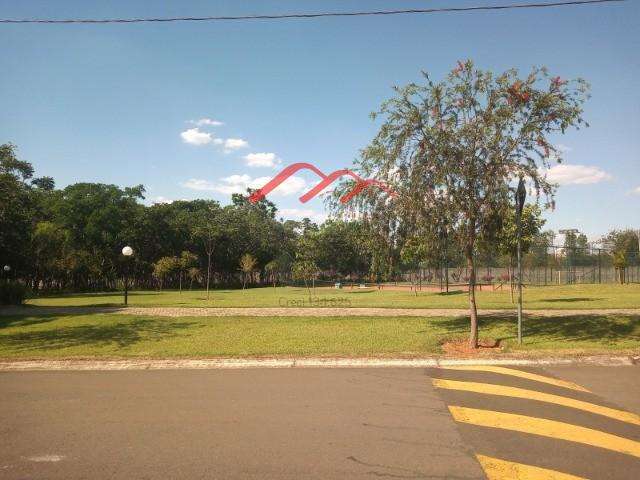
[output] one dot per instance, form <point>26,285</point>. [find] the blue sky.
<point>112,103</point>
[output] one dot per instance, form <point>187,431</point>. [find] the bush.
<point>12,293</point>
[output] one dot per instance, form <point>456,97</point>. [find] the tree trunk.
<point>208,272</point>
<point>473,310</point>
<point>180,283</point>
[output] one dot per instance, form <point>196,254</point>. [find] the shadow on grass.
<point>93,294</point>
<point>570,299</point>
<point>452,292</point>
<point>570,328</point>
<point>121,334</point>
<point>47,310</point>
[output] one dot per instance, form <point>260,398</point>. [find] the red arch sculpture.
<point>326,180</point>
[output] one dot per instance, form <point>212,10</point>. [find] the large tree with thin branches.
<point>453,149</point>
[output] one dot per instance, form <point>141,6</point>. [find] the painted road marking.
<point>545,428</point>
<point>491,389</point>
<point>497,469</point>
<point>45,458</point>
<point>517,373</point>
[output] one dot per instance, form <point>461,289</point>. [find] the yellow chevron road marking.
<point>517,373</point>
<point>545,428</point>
<point>491,389</point>
<point>497,469</point>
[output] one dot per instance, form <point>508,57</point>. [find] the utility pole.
<point>521,195</point>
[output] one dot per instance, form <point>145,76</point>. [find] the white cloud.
<point>290,186</point>
<point>231,144</point>
<point>194,136</point>
<point>262,159</point>
<point>160,199</point>
<point>240,183</point>
<point>206,121</point>
<point>576,175</point>
<point>636,191</point>
<point>300,213</point>
<point>198,184</point>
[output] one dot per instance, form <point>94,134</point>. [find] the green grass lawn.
<point>550,297</point>
<point>110,335</point>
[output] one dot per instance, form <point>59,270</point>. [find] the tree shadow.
<point>47,310</point>
<point>25,321</point>
<point>570,328</point>
<point>121,334</point>
<point>570,299</point>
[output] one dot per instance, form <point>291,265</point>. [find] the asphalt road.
<point>322,423</point>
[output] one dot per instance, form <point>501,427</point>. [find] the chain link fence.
<point>541,265</point>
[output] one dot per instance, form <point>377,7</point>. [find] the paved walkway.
<point>300,312</point>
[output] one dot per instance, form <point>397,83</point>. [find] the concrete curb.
<point>221,364</point>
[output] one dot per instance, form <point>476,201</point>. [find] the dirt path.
<point>298,312</point>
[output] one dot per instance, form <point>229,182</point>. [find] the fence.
<point>541,265</point>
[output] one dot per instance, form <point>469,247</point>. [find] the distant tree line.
<point>70,239</point>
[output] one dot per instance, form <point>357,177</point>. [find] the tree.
<point>207,230</point>
<point>304,270</point>
<point>626,241</point>
<point>620,263</point>
<point>453,150</point>
<point>506,240</point>
<point>165,267</point>
<point>247,266</point>
<point>625,248</point>
<point>193,274</point>
<point>341,248</point>
<point>15,208</point>
<point>186,260</point>
<point>272,270</point>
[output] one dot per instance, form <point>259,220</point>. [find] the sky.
<point>202,110</point>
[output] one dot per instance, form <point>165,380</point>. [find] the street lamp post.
<point>5,271</point>
<point>127,252</point>
<point>521,195</point>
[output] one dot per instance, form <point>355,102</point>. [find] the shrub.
<point>12,293</point>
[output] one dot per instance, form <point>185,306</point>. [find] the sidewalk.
<point>301,312</point>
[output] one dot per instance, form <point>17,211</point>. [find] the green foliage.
<point>451,150</point>
<point>304,270</point>
<point>165,267</point>
<point>624,243</point>
<point>530,227</point>
<point>248,263</point>
<point>247,266</point>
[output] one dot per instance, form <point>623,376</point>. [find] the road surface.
<point>368,423</point>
